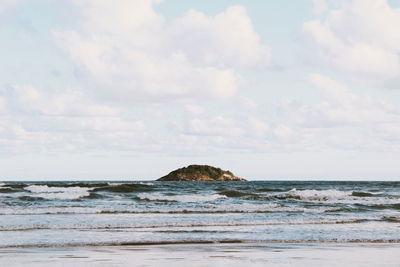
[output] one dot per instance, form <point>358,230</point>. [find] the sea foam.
<point>44,191</point>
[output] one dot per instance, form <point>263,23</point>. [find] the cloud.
<point>358,37</point>
<point>194,109</point>
<point>319,6</point>
<point>33,119</point>
<point>6,4</point>
<point>216,126</point>
<point>227,39</point>
<point>127,55</point>
<point>3,105</point>
<point>346,107</point>
<point>343,119</point>
<point>32,100</point>
<point>126,51</point>
<point>340,107</point>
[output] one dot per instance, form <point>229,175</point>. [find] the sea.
<point>129,213</point>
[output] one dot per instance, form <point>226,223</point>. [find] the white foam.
<point>313,194</point>
<point>50,210</point>
<point>263,208</point>
<point>333,196</point>
<point>114,184</point>
<point>146,183</point>
<point>47,192</point>
<point>141,183</point>
<point>179,198</point>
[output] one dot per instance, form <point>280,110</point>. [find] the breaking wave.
<point>332,196</point>
<point>46,192</point>
<point>236,193</point>
<point>179,198</point>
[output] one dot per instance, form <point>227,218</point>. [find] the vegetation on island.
<point>200,173</point>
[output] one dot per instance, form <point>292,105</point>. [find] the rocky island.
<point>200,173</point>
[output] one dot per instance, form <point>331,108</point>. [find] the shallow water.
<point>54,214</point>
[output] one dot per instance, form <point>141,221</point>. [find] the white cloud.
<point>3,107</point>
<point>195,109</point>
<point>319,6</point>
<point>6,4</point>
<point>340,107</point>
<point>243,133</point>
<point>61,103</point>
<point>35,119</point>
<point>259,127</point>
<point>346,107</point>
<point>248,103</point>
<point>228,39</point>
<point>216,126</point>
<point>343,119</point>
<point>127,51</point>
<point>358,37</point>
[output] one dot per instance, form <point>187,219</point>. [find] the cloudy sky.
<point>132,89</point>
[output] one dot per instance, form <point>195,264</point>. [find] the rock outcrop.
<point>200,173</point>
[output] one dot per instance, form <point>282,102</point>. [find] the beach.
<point>232,255</point>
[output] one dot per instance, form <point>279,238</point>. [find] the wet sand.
<point>232,255</point>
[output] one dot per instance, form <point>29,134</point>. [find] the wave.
<point>179,198</point>
<point>269,190</point>
<point>199,209</point>
<point>382,206</point>
<point>395,219</point>
<point>332,196</point>
<point>29,198</point>
<point>50,211</point>
<point>147,183</point>
<point>4,188</point>
<point>124,187</point>
<point>205,241</point>
<point>214,225</point>
<point>235,193</point>
<point>7,190</point>
<point>46,192</point>
<point>319,195</point>
<point>362,194</point>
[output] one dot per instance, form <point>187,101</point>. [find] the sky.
<point>133,89</point>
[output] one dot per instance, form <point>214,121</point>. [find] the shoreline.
<point>205,242</point>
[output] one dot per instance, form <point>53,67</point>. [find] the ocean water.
<point>67,214</point>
